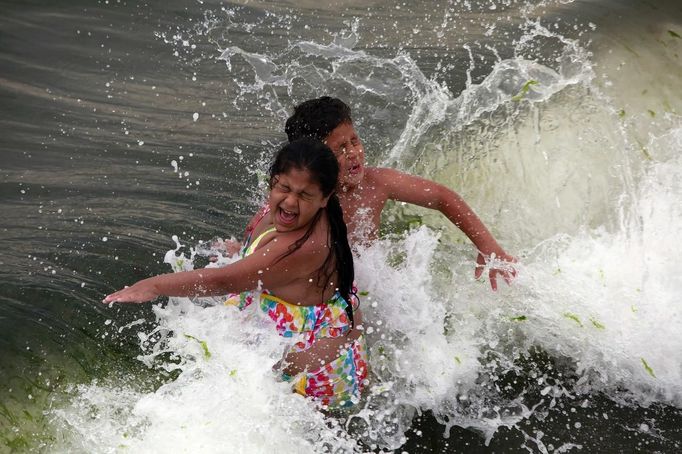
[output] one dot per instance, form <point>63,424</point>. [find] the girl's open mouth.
<point>286,217</point>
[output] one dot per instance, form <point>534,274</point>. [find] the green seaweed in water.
<point>401,224</point>
<point>396,259</point>
<point>644,150</point>
<point>573,317</point>
<point>363,293</point>
<point>17,443</point>
<point>629,49</point>
<point>524,90</point>
<point>621,113</point>
<point>520,318</point>
<point>648,368</point>
<point>457,360</point>
<point>204,346</point>
<point>4,411</point>
<point>597,324</point>
<point>646,154</point>
<point>673,34</point>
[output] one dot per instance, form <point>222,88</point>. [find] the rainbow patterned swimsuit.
<point>337,384</point>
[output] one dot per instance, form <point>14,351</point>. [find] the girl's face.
<point>349,152</point>
<point>294,200</point>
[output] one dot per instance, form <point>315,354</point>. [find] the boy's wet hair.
<point>317,118</point>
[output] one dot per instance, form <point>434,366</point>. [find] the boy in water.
<point>364,191</point>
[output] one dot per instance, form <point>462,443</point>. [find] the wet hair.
<point>316,158</point>
<point>317,118</point>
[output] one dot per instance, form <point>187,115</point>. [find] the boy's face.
<point>349,152</point>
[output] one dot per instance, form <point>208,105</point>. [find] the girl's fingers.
<point>114,297</point>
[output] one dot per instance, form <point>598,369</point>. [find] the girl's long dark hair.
<point>315,157</point>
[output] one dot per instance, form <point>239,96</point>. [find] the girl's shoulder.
<point>318,241</point>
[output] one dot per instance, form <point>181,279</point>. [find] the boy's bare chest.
<point>362,211</point>
<point>362,198</point>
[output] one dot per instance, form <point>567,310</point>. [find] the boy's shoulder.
<point>402,186</point>
<point>382,176</point>
<point>382,173</point>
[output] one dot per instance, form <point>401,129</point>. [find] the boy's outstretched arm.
<point>429,194</point>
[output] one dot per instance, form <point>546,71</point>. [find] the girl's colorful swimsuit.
<point>337,384</point>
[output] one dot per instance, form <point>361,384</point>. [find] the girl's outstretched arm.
<point>188,283</point>
<point>263,266</point>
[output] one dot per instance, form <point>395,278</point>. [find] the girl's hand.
<point>497,264</point>
<point>138,293</point>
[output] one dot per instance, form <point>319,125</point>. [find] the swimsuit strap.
<point>265,209</point>
<point>248,249</point>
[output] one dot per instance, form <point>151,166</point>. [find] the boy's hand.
<point>138,293</point>
<point>230,248</point>
<point>497,264</point>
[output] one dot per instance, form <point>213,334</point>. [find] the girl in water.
<point>298,254</point>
